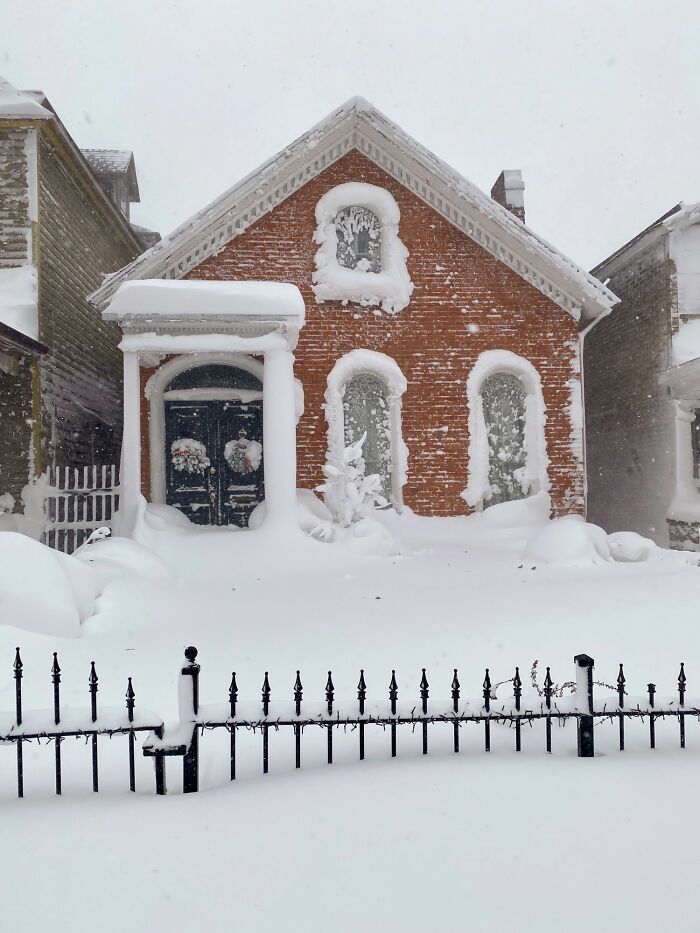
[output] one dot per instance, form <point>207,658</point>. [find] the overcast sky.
<point>598,102</point>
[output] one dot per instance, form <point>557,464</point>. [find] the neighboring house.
<point>437,324</point>
<point>60,233</point>
<point>642,386</point>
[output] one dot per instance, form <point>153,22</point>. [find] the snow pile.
<point>112,557</point>
<point>685,345</point>
<point>534,510</point>
<point>629,547</point>
<point>18,300</point>
<point>569,541</point>
<point>194,298</point>
<point>371,538</point>
<point>42,590</point>
<point>391,287</point>
<point>314,518</point>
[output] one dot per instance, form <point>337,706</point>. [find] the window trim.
<point>391,287</point>
<point>535,475</point>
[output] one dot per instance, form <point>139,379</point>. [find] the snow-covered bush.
<point>315,519</point>
<point>351,495</point>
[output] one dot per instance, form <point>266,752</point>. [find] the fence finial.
<point>548,688</point>
<point>681,685</point>
<point>233,694</point>
<point>266,694</point>
<point>517,688</point>
<point>362,692</point>
<point>455,691</point>
<point>393,692</point>
<point>487,691</point>
<point>298,694</point>
<point>130,700</point>
<point>330,691</point>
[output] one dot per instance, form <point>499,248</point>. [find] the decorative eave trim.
<point>498,232</point>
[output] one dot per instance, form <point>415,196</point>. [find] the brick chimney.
<point>508,191</point>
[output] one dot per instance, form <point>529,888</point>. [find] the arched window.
<point>363,395</point>
<point>366,411</point>
<point>507,457</point>
<point>503,398</point>
<point>359,239</point>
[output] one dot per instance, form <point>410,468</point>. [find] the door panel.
<point>242,482</point>
<point>189,491</point>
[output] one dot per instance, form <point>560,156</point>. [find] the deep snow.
<point>474,841</point>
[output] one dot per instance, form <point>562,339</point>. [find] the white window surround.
<point>358,362</point>
<point>390,288</point>
<point>156,391</point>
<point>535,478</point>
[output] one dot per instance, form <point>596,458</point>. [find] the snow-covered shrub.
<point>569,540</point>
<point>7,504</point>
<point>351,494</point>
<point>629,547</point>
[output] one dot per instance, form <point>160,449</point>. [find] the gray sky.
<point>598,102</point>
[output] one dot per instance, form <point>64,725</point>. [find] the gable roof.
<point>110,162</point>
<point>26,104</point>
<point>359,125</point>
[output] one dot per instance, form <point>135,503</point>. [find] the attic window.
<point>359,239</point>
<point>360,257</point>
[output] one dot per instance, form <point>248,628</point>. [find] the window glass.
<point>695,436</point>
<point>359,239</point>
<point>366,409</point>
<point>503,397</point>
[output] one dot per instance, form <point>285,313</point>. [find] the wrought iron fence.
<point>547,703</point>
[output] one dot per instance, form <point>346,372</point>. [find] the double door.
<point>213,458</point>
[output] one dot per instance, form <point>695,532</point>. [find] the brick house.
<point>436,323</point>
<point>642,386</point>
<point>60,232</point>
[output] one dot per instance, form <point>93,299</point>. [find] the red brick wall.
<point>457,283</point>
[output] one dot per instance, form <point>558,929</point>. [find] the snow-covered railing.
<point>74,502</point>
<point>549,703</point>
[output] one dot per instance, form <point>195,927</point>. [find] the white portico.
<point>219,408</point>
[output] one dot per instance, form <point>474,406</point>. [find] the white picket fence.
<point>76,501</point>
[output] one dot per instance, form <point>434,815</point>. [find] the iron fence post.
<point>189,708</point>
<point>584,701</point>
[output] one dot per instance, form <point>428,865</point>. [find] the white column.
<point>686,490</point>
<point>130,479</point>
<point>279,439</point>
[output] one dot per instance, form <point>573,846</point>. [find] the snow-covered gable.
<point>358,125</point>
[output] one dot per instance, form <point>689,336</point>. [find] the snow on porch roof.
<point>196,299</point>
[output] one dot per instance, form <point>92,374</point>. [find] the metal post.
<point>18,716</point>
<point>584,697</point>
<point>190,762</point>
<point>93,714</point>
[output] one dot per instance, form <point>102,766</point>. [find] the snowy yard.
<point>415,843</point>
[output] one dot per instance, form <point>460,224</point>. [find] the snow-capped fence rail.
<point>75,502</point>
<point>547,703</point>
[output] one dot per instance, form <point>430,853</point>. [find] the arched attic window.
<point>507,457</point>
<point>359,239</point>
<point>360,258</point>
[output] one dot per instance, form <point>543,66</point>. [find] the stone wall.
<point>465,301</point>
<point>629,417</point>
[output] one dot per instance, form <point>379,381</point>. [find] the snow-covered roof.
<point>15,103</point>
<point>110,162</point>
<point>359,125</point>
<point>195,299</point>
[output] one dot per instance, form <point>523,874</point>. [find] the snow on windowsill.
<point>18,300</point>
<point>392,287</point>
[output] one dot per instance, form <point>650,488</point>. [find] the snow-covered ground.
<point>473,842</point>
